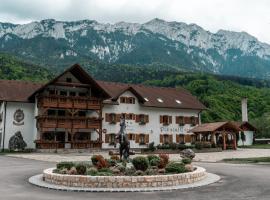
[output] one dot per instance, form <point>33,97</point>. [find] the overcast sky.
<point>252,16</point>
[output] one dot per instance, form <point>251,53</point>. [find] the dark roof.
<point>211,127</point>
<point>13,90</point>
<point>148,95</point>
<point>168,95</point>
<point>245,126</point>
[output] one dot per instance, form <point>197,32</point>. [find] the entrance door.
<point>60,138</point>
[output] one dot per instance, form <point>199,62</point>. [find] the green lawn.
<point>248,160</point>
<point>256,146</point>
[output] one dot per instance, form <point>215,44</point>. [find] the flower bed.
<point>165,180</point>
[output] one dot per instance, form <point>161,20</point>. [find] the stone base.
<point>38,181</point>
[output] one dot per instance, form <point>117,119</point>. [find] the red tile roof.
<point>13,90</point>
<point>211,127</point>
<point>148,95</point>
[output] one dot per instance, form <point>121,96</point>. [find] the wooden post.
<point>234,141</point>
<point>224,140</point>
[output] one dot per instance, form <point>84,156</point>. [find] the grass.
<point>256,146</point>
<point>248,160</point>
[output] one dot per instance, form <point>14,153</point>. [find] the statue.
<point>16,142</point>
<point>123,140</point>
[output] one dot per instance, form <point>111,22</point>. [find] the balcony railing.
<point>68,122</point>
<point>69,102</point>
<point>43,144</point>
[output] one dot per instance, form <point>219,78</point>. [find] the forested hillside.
<point>220,94</point>
<point>15,69</point>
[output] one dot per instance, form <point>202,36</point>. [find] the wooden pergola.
<point>219,133</point>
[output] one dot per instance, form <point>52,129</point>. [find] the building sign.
<point>177,130</point>
<point>130,125</point>
<point>18,117</point>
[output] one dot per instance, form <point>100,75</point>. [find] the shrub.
<point>63,171</point>
<point>139,173</point>
<point>115,157</point>
<point>165,157</point>
<point>182,146</point>
<point>104,174</point>
<point>72,171</point>
<point>186,160</point>
<point>107,170</point>
<point>198,145</point>
<point>130,171</point>
<point>151,172</point>
<point>213,145</point>
<point>111,162</point>
<point>155,161</point>
<point>99,161</point>
<point>173,146</point>
<point>175,167</point>
<point>81,169</point>
<point>66,165</point>
<point>140,163</point>
<point>121,167</point>
<point>92,171</point>
<point>151,146</point>
<point>57,171</point>
<point>151,157</point>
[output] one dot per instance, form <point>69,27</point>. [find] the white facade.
<point>27,126</point>
<point>249,138</point>
<point>153,128</point>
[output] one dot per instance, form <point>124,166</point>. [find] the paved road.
<point>238,182</point>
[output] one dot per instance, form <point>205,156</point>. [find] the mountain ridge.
<point>184,46</point>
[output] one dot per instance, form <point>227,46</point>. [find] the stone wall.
<point>124,181</point>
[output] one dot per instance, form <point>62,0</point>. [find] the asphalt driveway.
<point>238,182</point>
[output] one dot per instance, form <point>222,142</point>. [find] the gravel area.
<point>201,157</point>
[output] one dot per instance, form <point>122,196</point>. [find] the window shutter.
<point>161,119</point>
<point>146,138</point>
<point>196,120</point>
<point>107,138</point>
<point>137,138</point>
<point>177,138</point>
<point>177,120</point>
<point>186,120</point>
<point>146,118</point>
<point>171,138</point>
<point>118,117</point>
<point>107,117</point>
<point>170,119</point>
<point>161,139</point>
<point>187,138</point>
<point>133,116</point>
<point>137,118</point>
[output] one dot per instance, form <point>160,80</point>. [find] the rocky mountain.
<point>157,42</point>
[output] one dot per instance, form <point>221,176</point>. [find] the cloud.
<point>251,16</point>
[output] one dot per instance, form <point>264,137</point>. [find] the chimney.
<point>244,110</point>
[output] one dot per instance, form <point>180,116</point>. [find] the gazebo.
<point>222,134</point>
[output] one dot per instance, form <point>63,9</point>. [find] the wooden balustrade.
<point>85,144</point>
<point>68,122</point>
<point>56,101</point>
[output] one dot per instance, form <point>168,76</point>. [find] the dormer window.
<point>178,101</point>
<point>159,100</point>
<point>146,99</point>
<point>128,100</point>
<point>68,80</point>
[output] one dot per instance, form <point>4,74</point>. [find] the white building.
<point>75,111</point>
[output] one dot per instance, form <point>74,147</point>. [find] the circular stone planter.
<point>123,181</point>
<point>78,183</point>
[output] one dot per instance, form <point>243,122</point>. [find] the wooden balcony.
<point>45,122</point>
<point>43,144</point>
<point>56,101</point>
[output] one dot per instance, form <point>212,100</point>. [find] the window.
<point>193,120</point>
<point>142,119</point>
<point>128,100</point>
<point>51,112</point>
<point>178,101</point>
<point>52,92</point>
<point>112,139</point>
<point>82,94</point>
<point>112,118</point>
<point>142,139</point>
<point>180,120</point>
<point>128,116</point>
<point>73,94</point>
<point>63,93</point>
<point>165,119</point>
<point>61,112</point>
<point>82,113</point>
<point>166,139</point>
<point>69,80</point>
<point>131,136</point>
<point>180,139</point>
